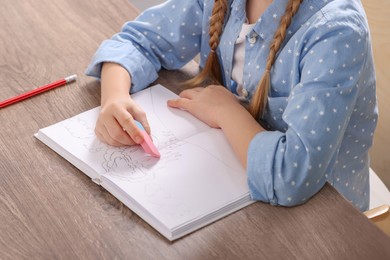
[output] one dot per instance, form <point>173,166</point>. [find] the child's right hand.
<point>115,124</point>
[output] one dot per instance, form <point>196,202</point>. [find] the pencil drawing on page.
<point>197,171</point>
<point>129,164</point>
<point>125,163</point>
<point>121,162</point>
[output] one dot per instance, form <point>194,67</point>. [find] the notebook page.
<point>194,177</point>
<point>74,138</point>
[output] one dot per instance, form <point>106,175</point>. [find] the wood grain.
<point>379,21</point>
<point>51,210</point>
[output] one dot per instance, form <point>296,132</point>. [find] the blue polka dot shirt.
<point>322,110</point>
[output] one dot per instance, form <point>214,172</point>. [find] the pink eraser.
<point>147,144</point>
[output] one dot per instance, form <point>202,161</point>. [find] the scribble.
<point>126,166</point>
<point>79,128</point>
<point>125,163</point>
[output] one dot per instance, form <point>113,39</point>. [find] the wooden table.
<point>50,210</point>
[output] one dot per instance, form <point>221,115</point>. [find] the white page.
<point>193,178</point>
<point>168,124</point>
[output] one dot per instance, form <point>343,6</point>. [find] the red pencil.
<point>37,91</point>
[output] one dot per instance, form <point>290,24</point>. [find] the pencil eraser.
<point>148,144</point>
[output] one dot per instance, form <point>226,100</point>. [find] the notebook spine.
<point>97,180</point>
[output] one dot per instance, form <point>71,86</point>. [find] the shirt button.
<point>244,92</point>
<point>252,40</point>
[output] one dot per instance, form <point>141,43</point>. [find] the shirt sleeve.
<point>287,168</point>
<point>167,35</point>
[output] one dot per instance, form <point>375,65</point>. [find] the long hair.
<point>260,98</point>
<point>212,68</point>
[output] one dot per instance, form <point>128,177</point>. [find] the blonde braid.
<point>212,69</point>
<point>260,98</point>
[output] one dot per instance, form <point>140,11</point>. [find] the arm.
<point>167,35</point>
<point>288,167</point>
<point>115,124</point>
<point>239,128</point>
<point>219,108</point>
<point>130,60</point>
<point>319,144</point>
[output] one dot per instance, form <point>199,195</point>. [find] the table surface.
<point>49,209</point>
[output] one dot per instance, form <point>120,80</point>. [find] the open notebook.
<point>197,180</point>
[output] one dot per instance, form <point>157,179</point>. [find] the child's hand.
<point>211,104</point>
<point>115,125</point>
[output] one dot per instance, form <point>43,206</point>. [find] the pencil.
<point>37,91</point>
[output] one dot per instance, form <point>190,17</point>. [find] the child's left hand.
<point>210,105</point>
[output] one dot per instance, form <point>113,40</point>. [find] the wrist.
<point>114,97</point>
<point>115,83</point>
<point>228,114</point>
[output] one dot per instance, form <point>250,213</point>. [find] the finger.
<point>126,122</point>
<point>198,89</point>
<point>145,124</point>
<point>140,116</point>
<point>104,136</point>
<point>181,103</point>
<point>101,133</point>
<point>190,93</point>
<point>117,133</point>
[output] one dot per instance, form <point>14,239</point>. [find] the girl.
<point>293,87</point>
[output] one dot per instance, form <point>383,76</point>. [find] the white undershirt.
<point>239,57</point>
